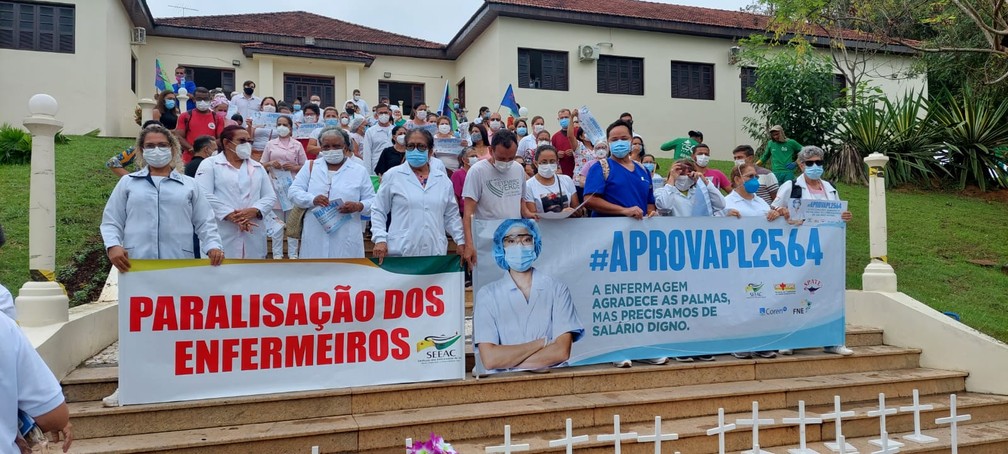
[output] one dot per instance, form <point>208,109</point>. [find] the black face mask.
<point>350,111</point>
<point>249,90</point>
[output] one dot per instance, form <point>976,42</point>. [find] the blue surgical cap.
<point>502,229</point>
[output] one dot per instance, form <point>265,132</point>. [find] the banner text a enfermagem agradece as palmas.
<point>191,331</point>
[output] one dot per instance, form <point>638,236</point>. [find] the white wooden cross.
<point>720,430</point>
<point>409,445</point>
<point>881,413</point>
<point>314,450</point>
<point>570,440</point>
<point>507,447</point>
<point>887,445</point>
<point>616,437</point>
<point>838,415</point>
<point>954,420</point>
<point>916,408</point>
<point>755,423</point>
<point>801,420</point>
<point>658,437</point>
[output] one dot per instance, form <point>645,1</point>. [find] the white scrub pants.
<point>278,238</point>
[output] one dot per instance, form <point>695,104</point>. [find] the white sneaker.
<point>622,364</point>
<point>655,361</point>
<point>742,355</point>
<point>112,400</point>
<point>839,350</point>
<point>684,359</point>
<point>767,354</point>
<point>786,351</point>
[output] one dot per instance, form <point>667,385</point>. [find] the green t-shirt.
<point>683,147</point>
<point>781,154</point>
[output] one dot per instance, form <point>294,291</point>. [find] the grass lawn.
<point>931,234</point>
<point>83,184</point>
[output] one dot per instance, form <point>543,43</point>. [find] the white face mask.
<point>601,153</point>
<point>444,129</point>
<point>269,108</point>
<point>334,157</point>
<point>283,131</point>
<point>356,97</point>
<point>421,115</point>
<point>310,119</point>
<point>400,139</point>
<point>544,142</point>
<point>547,170</point>
<point>503,166</point>
<point>702,160</point>
<point>473,160</point>
<point>344,121</point>
<point>157,156</point>
<point>683,183</point>
<point>739,162</point>
<point>495,125</point>
<point>383,118</point>
<point>243,150</point>
<point>203,106</point>
<point>538,128</point>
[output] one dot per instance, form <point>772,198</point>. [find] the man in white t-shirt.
<point>493,187</point>
<point>377,138</point>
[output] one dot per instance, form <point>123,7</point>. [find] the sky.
<point>445,16</point>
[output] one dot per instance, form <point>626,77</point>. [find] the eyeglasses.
<point>418,146</point>
<point>523,239</point>
<point>748,176</point>
<point>817,162</point>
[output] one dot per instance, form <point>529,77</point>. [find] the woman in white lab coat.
<point>421,200</point>
<point>333,179</point>
<point>153,212</point>
<point>241,194</point>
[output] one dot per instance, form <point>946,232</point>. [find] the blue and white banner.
<point>601,290</point>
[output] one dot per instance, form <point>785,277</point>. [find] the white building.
<point>667,64</point>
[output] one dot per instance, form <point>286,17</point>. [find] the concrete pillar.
<point>352,82</point>
<point>146,110</point>
<point>42,301</point>
<point>878,275</point>
<point>265,86</point>
<point>182,95</point>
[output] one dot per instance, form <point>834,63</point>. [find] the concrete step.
<point>385,430</point>
<point>93,383</point>
<point>92,419</point>
<point>693,438</point>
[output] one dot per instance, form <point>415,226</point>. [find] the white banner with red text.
<point>188,330</point>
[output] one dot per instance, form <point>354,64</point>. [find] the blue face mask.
<point>416,158</point>
<point>456,106</point>
<point>297,107</point>
<point>649,166</point>
<point>751,185</point>
<point>814,172</point>
<point>564,123</point>
<point>619,149</point>
<point>522,131</point>
<point>519,258</point>
<point>169,103</point>
<point>332,122</point>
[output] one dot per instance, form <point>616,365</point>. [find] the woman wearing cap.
<point>809,185</point>
<point>780,153</point>
<point>421,201</point>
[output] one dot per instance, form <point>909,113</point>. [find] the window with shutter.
<point>542,69</point>
<point>692,80</point>
<point>620,75</point>
<point>747,79</point>
<point>37,27</point>
<point>305,86</point>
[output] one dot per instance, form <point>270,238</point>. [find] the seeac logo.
<point>754,290</point>
<point>439,349</point>
<point>812,285</point>
<point>784,288</point>
<point>805,308</point>
<point>765,311</point>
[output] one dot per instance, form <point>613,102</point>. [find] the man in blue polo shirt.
<point>618,186</point>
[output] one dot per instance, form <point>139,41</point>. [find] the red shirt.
<point>197,124</point>
<point>561,143</point>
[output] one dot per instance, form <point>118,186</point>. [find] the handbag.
<point>295,220</point>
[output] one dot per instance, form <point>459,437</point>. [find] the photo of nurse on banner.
<point>525,320</point>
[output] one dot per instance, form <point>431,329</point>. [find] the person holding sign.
<point>153,212</point>
<point>283,157</point>
<point>493,188</point>
<point>334,188</point>
<point>261,133</point>
<point>525,320</point>
<point>446,146</point>
<point>240,193</point>
<point>550,191</point>
<point>420,199</point>
<point>810,186</point>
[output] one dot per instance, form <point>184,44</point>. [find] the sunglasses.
<point>813,163</point>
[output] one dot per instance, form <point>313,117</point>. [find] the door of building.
<point>304,86</point>
<point>406,93</point>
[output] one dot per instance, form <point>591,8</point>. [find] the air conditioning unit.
<point>139,36</point>
<point>588,52</point>
<point>733,54</point>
